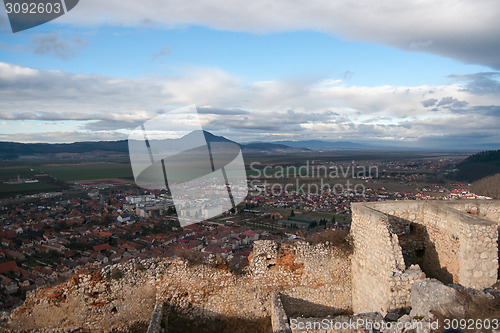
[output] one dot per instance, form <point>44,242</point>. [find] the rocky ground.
<point>121,297</point>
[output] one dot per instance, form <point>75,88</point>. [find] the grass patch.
<point>67,172</point>
<point>20,188</point>
<point>337,238</point>
<point>88,171</point>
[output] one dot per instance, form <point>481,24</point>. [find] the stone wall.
<point>488,209</point>
<point>156,319</point>
<point>279,318</point>
<point>379,277</point>
<point>452,241</point>
<point>311,278</point>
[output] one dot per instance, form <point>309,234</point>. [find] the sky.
<point>414,73</point>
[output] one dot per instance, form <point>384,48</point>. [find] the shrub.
<point>337,238</point>
<point>116,274</point>
<point>138,266</point>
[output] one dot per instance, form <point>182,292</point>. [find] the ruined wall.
<point>316,277</point>
<point>279,318</point>
<point>488,209</point>
<point>311,278</point>
<point>465,245</point>
<point>452,245</point>
<point>379,279</point>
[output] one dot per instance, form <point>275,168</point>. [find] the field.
<point>62,171</point>
<point>70,172</point>
<point>26,188</point>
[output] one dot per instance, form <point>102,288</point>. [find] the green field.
<point>11,172</point>
<point>21,188</point>
<point>70,172</point>
<point>89,171</point>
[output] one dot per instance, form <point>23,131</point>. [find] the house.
<point>9,285</point>
<point>56,247</point>
<point>102,247</point>
<point>123,218</point>
<point>5,242</point>
<point>250,236</point>
<point>9,266</point>
<point>26,243</point>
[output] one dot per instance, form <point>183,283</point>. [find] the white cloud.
<point>460,29</point>
<point>327,109</point>
<point>63,136</point>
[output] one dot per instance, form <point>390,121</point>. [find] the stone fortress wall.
<point>397,243</point>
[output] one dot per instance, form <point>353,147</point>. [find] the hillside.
<point>322,145</point>
<point>488,186</point>
<point>478,166</point>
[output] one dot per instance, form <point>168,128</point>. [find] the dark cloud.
<point>347,75</point>
<point>490,110</point>
<point>452,103</point>
<point>164,51</point>
<point>480,83</point>
<point>54,45</point>
<point>429,102</point>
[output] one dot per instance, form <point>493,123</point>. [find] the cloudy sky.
<point>415,73</point>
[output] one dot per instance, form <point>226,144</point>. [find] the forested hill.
<point>478,166</point>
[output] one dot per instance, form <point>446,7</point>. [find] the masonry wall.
<point>460,243</point>
<point>488,209</point>
<point>393,240</point>
<point>466,245</point>
<point>380,281</point>
<point>312,279</point>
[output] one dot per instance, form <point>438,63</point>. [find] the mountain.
<point>273,147</point>
<point>103,149</point>
<point>477,166</point>
<point>323,145</point>
<point>254,147</point>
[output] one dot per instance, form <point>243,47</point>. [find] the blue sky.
<point>419,75</point>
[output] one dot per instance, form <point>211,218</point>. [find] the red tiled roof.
<point>8,267</point>
<point>101,247</point>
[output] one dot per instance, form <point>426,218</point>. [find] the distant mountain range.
<point>108,149</point>
<point>322,145</point>
<point>101,149</point>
